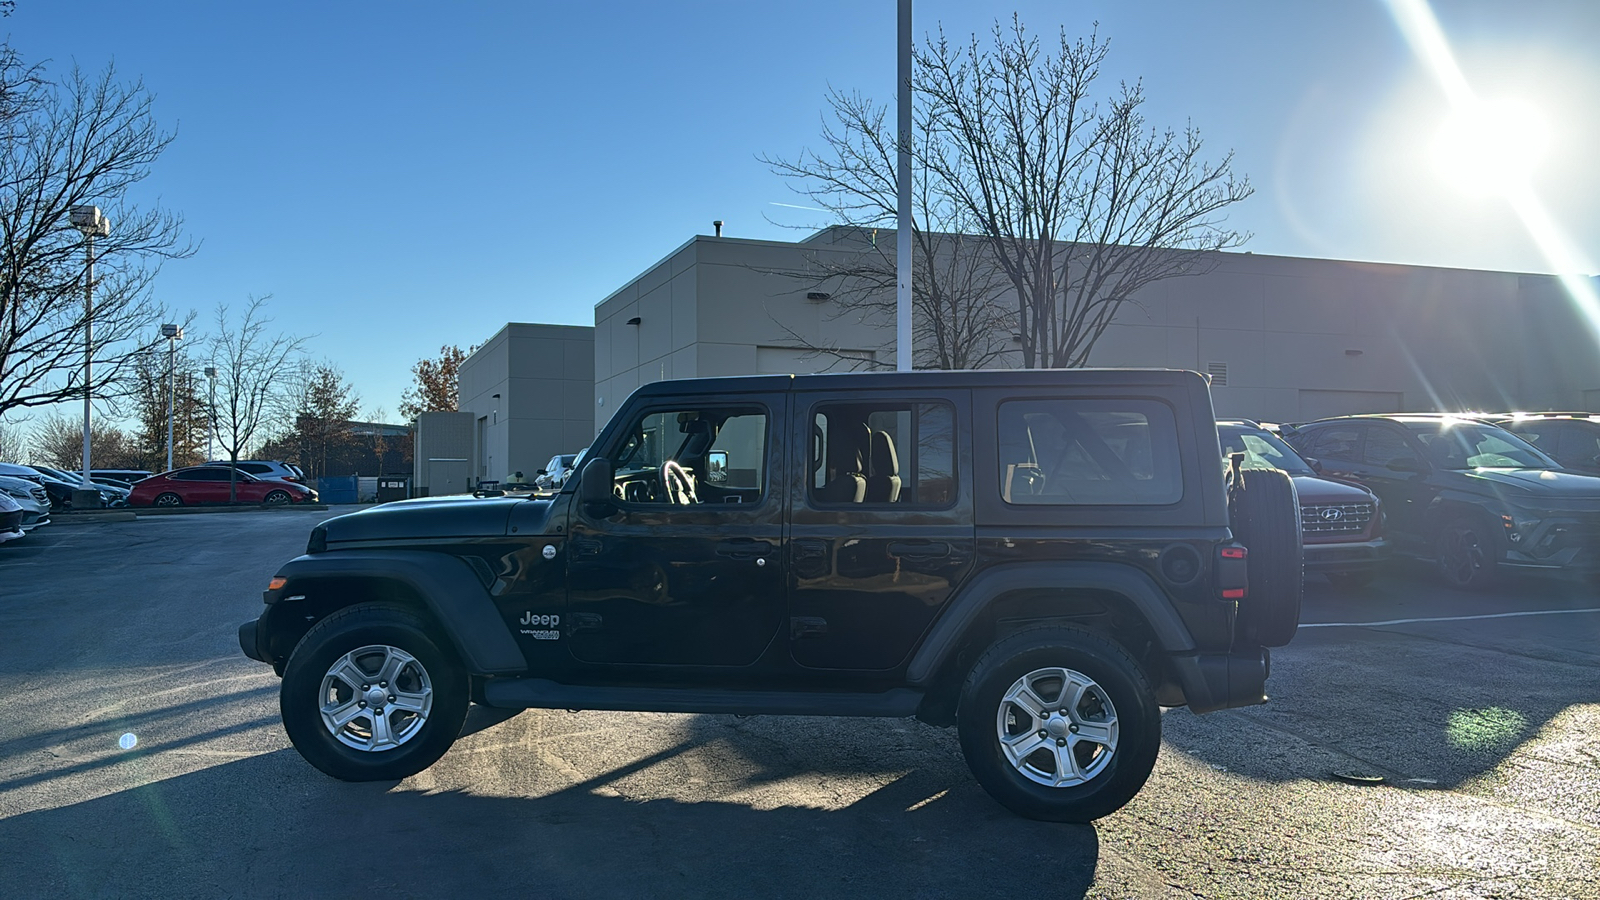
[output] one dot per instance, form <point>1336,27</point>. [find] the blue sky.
<point>403,175</point>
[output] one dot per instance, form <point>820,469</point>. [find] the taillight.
<point>1233,573</point>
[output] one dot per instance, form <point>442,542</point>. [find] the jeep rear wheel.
<point>1059,724</point>
<point>368,695</point>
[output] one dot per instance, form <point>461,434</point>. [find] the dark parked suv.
<point>1571,439</point>
<point>1042,559</point>
<point>1471,495</point>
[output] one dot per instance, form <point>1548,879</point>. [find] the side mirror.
<point>1314,463</point>
<point>595,485</point>
<point>717,466</point>
<point>541,472</point>
<point>1406,464</point>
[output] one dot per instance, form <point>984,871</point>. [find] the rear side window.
<point>883,452</point>
<point>254,468</point>
<point>1088,452</point>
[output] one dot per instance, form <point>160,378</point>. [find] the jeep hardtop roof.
<point>925,378</point>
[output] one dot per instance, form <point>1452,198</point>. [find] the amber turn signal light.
<point>277,583</point>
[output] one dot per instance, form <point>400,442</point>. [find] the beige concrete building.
<point>530,392</point>
<point>1286,339</point>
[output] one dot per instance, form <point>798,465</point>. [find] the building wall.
<point>544,378</point>
<point>1297,338</point>
<point>440,436</point>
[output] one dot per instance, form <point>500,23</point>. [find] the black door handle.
<point>585,547</point>
<point>919,549</point>
<point>744,548</point>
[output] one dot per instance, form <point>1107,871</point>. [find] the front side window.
<point>1472,446</point>
<point>884,452</point>
<point>1089,452</point>
<point>693,457</point>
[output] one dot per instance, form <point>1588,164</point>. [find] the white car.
<point>10,519</point>
<point>32,497</point>
<point>556,472</point>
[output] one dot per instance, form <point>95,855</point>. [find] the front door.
<point>881,531</point>
<point>686,566</point>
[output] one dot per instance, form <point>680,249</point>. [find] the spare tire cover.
<point>1265,514</point>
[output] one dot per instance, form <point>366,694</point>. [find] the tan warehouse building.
<point>1284,338</point>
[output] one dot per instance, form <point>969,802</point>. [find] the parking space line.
<point>1509,615</point>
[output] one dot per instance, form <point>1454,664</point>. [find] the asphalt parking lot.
<point>141,755</point>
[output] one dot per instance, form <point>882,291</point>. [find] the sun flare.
<point>1492,146</point>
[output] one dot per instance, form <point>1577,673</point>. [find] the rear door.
<point>881,530</point>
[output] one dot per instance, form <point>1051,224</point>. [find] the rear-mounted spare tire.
<point>1265,515</point>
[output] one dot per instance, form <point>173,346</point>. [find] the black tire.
<point>1264,511</point>
<point>305,690</point>
<point>1111,778</point>
<point>1464,554</point>
<point>1350,581</point>
<point>168,499</point>
<point>277,498</point>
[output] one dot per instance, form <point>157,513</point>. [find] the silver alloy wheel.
<point>277,498</point>
<point>169,499</point>
<point>1057,727</point>
<point>1461,554</point>
<point>375,698</point>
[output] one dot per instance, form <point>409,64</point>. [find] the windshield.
<point>1469,445</point>
<point>1261,449</point>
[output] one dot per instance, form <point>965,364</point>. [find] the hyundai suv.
<point>1471,496</point>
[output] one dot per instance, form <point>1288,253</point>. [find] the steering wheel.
<point>679,484</point>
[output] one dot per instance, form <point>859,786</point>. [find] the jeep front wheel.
<point>368,695</point>
<point>1059,724</point>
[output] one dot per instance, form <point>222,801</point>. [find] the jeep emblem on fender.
<point>549,551</point>
<point>1333,514</point>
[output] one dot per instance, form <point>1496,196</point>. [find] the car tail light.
<point>1233,573</point>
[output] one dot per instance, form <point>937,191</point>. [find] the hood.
<point>431,518</point>
<point>1327,491</point>
<point>1545,483</point>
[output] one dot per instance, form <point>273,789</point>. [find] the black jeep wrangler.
<point>1040,558</point>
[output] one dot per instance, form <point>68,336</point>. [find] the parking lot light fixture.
<point>173,334</point>
<point>92,224</point>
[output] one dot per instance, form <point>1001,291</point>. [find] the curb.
<point>99,518</point>
<point>209,510</point>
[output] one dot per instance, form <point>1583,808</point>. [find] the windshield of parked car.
<point>1261,448</point>
<point>1470,445</point>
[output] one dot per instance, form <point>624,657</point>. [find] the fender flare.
<point>1126,581</point>
<point>452,592</point>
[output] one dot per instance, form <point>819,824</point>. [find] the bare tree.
<point>435,388</point>
<point>12,443</point>
<point>1064,208</point>
<point>190,417</point>
<point>80,141</point>
<point>58,441</point>
<point>1082,205</point>
<point>958,321</point>
<point>252,366</point>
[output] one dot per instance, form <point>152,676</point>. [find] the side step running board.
<point>541,693</point>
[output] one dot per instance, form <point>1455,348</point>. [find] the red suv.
<point>1342,522</point>
<point>209,484</point>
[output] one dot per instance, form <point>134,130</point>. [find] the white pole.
<point>88,351</point>
<point>172,394</point>
<point>903,220</point>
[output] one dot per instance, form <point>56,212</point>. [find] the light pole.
<point>92,223</point>
<point>173,334</point>
<point>211,411</point>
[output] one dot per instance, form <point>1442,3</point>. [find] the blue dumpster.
<point>338,490</point>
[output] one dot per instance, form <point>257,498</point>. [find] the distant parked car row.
<point>59,485</point>
<point>197,485</point>
<point>1478,494</point>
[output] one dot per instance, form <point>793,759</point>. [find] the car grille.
<point>40,496</point>
<point>1337,518</point>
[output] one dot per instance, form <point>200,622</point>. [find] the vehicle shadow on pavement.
<point>1430,703</point>
<point>269,826</point>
